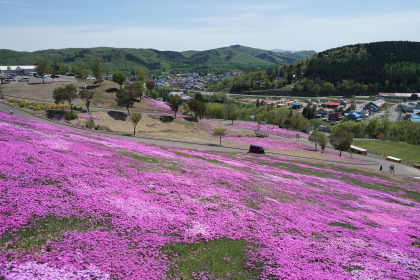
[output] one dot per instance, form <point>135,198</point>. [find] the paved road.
<point>371,162</point>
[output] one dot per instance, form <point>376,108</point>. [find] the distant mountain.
<point>289,51</point>
<point>233,58</point>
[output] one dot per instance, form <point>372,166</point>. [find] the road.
<point>370,162</point>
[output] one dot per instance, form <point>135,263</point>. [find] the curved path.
<point>370,162</point>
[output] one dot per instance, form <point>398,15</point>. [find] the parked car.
<point>70,74</point>
<point>90,78</point>
<point>24,80</point>
<point>256,149</point>
<point>55,76</point>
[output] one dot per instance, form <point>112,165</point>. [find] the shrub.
<point>55,114</point>
<point>102,127</point>
<point>70,116</point>
<point>90,123</point>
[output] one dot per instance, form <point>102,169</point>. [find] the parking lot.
<point>34,80</point>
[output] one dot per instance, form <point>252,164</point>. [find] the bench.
<point>393,159</point>
<point>358,150</point>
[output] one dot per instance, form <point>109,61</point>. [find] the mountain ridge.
<point>231,58</point>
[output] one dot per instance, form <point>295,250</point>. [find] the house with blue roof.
<point>414,118</point>
<point>296,105</point>
<point>353,116</point>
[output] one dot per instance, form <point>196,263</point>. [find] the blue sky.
<point>200,25</point>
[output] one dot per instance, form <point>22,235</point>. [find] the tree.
<point>119,78</point>
<point>150,85</point>
<point>198,107</point>
<point>135,89</point>
<point>174,102</point>
<point>65,68</point>
<point>135,118</point>
<point>141,74</point>
<point>125,98</point>
<point>313,138</point>
<point>97,69</point>
<point>309,111</point>
<point>219,132</point>
<point>341,139</point>
<point>86,96</point>
<point>322,140</point>
<point>67,93</point>
<point>55,68</point>
<point>228,107</point>
<point>233,116</point>
<point>81,71</point>
<point>42,68</point>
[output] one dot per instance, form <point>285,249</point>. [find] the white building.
<point>20,70</point>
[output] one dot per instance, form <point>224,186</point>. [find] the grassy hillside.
<point>410,154</point>
<point>76,205</point>
<point>234,58</point>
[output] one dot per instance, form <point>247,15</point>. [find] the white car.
<point>90,78</point>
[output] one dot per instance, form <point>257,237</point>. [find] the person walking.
<point>11,111</point>
<point>380,168</point>
<point>391,169</point>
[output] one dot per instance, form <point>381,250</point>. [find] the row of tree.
<point>384,129</point>
<point>340,138</point>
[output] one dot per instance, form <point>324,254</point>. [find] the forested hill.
<point>349,70</point>
<point>386,66</point>
<point>233,58</point>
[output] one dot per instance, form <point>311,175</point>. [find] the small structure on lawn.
<point>358,150</point>
<point>393,159</point>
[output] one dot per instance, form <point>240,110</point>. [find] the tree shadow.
<point>166,119</point>
<point>111,90</point>
<point>119,116</point>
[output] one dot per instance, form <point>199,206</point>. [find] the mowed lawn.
<point>408,153</point>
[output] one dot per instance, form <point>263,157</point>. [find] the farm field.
<point>77,205</point>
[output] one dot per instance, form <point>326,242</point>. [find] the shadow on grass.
<point>119,116</point>
<point>111,90</point>
<point>166,119</point>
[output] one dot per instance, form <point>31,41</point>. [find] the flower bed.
<point>87,116</point>
<point>75,205</point>
<point>270,130</point>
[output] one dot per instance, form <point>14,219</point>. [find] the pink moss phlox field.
<point>273,143</point>
<point>269,129</point>
<point>159,104</point>
<point>87,116</point>
<point>133,199</point>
